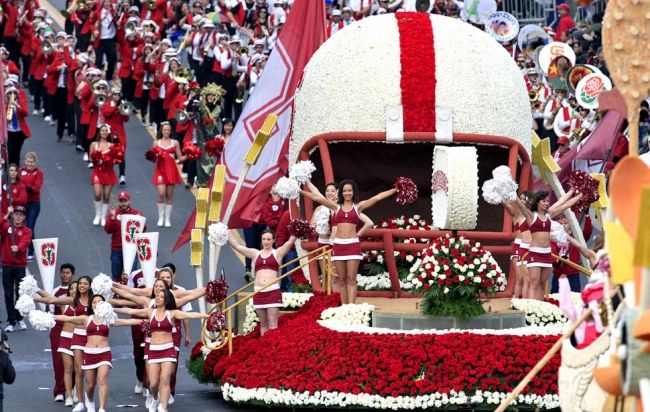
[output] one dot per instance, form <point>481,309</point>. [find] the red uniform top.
<point>18,196</point>
<point>282,233</point>
<point>33,181</point>
<point>11,18</point>
<point>341,216</point>
<point>114,228</point>
<point>270,262</point>
<point>540,225</point>
<point>80,309</point>
<point>164,325</point>
<point>94,329</point>
<point>58,292</point>
<point>22,239</point>
<point>113,117</point>
<point>565,23</point>
<point>53,72</point>
<point>271,212</point>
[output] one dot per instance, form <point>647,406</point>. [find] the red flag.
<point>3,105</point>
<point>301,36</point>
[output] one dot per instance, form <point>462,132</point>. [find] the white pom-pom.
<point>41,321</point>
<point>102,285</point>
<point>490,192</point>
<point>558,234</point>
<point>218,234</point>
<point>322,221</point>
<point>287,188</point>
<point>502,172</point>
<point>28,286</point>
<point>104,312</point>
<point>25,304</point>
<point>301,171</point>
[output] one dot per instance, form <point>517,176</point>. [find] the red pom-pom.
<point>214,147</point>
<point>97,157</point>
<point>116,154</point>
<point>145,327</point>
<point>300,228</point>
<point>208,120</point>
<point>407,191</point>
<point>216,322</point>
<point>586,185</point>
<point>155,153</point>
<point>192,151</point>
<point>216,291</point>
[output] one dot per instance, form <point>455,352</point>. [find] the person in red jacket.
<point>14,238</point>
<point>17,128</point>
<point>571,253</point>
<point>114,228</point>
<point>565,23</point>
<point>272,210</point>
<point>18,191</point>
<point>32,178</point>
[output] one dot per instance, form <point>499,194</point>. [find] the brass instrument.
<point>185,39</point>
<point>11,106</point>
<point>533,98</point>
<point>182,116</point>
<point>182,75</point>
<point>126,108</point>
<point>243,51</point>
<point>151,5</point>
<point>100,99</point>
<point>74,6</point>
<point>47,47</point>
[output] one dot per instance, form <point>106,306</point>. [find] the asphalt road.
<point>67,212</point>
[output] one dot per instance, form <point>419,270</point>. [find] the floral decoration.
<point>290,301</point>
<point>349,314</point>
<point>452,272</point>
<point>540,313</point>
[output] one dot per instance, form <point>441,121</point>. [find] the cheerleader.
<point>266,264</point>
<point>97,354</point>
<point>166,174</point>
<point>325,238</point>
<point>520,245</point>
<point>346,247</point>
<point>539,216</point>
<point>161,355</point>
<point>65,345</point>
<point>80,302</point>
<point>103,175</point>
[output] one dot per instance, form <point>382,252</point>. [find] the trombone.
<point>11,106</point>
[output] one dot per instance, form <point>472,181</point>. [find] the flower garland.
<point>539,313</point>
<point>349,314</point>
<point>381,281</point>
<point>452,272</point>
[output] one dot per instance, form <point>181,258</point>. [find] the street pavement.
<point>67,212</point>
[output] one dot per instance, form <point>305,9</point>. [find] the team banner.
<point>131,225</point>
<point>45,253</point>
<point>147,250</point>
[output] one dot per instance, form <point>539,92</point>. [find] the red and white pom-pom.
<point>216,291</point>
<point>586,185</point>
<point>116,154</point>
<point>407,191</point>
<point>216,322</point>
<point>214,147</point>
<point>287,188</point>
<point>97,158</point>
<point>101,285</point>
<point>558,234</point>
<point>218,234</point>
<point>145,327</point>
<point>322,220</point>
<point>25,304</point>
<point>28,286</point>
<point>300,228</point>
<point>104,312</point>
<point>301,171</point>
<point>155,153</point>
<point>192,151</point>
<point>41,321</point>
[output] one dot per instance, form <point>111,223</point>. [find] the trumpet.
<point>243,51</point>
<point>100,99</point>
<point>182,116</point>
<point>47,47</point>
<point>151,4</point>
<point>182,75</point>
<point>126,108</point>
<point>533,95</point>
<point>11,106</point>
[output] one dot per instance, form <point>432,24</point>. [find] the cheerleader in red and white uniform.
<point>103,175</point>
<point>161,354</point>
<point>65,344</point>
<point>347,247</point>
<point>539,216</point>
<point>97,359</point>
<point>266,264</point>
<point>80,302</point>
<point>520,245</point>
<point>325,238</point>
<point>166,174</point>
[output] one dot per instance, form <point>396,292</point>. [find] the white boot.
<point>161,214</point>
<point>168,215</point>
<point>104,212</point>
<point>98,212</point>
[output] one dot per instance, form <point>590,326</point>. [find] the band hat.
<point>116,90</point>
<point>20,209</point>
<point>61,34</point>
<point>83,58</point>
<point>336,12</point>
<point>134,9</point>
<point>532,71</point>
<point>234,39</point>
<point>259,42</point>
<point>102,83</point>
<point>42,25</point>
<point>48,32</point>
<point>94,72</point>
<point>11,89</point>
<point>166,41</point>
<point>208,23</point>
<point>148,34</point>
<point>13,78</point>
<point>133,19</point>
<point>381,10</point>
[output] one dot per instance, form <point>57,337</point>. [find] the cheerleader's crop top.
<point>341,216</point>
<point>540,225</point>
<point>270,262</point>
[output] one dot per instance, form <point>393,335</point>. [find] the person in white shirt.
<point>106,30</point>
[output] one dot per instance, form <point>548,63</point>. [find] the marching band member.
<point>91,107</point>
<point>232,63</point>
<point>209,39</point>
<point>10,14</point>
<point>103,176</point>
<point>170,87</point>
<point>154,10</point>
<point>56,84</point>
<point>9,65</point>
<point>143,74</point>
<point>97,359</point>
<point>80,79</point>
<point>37,69</point>
<point>166,174</point>
<point>129,44</point>
<point>553,106</point>
<point>335,23</point>
<point>114,228</point>
<point>17,128</point>
<point>113,115</point>
<point>105,33</point>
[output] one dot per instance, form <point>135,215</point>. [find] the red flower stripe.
<point>418,60</point>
